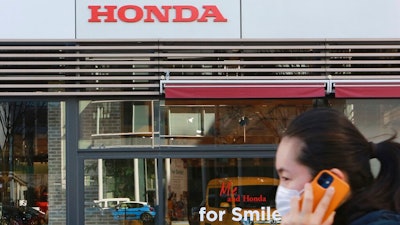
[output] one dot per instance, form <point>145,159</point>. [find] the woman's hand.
<point>305,215</point>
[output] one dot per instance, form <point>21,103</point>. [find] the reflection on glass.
<point>244,192</point>
<point>378,119</point>
<point>218,184</point>
<point>205,122</point>
<point>195,189</point>
<point>120,190</point>
<point>30,133</point>
<point>241,198</point>
<point>124,190</point>
<point>116,123</point>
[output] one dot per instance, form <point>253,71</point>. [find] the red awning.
<point>244,90</point>
<point>367,90</point>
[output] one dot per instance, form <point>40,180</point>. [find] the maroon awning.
<point>244,90</point>
<point>367,90</point>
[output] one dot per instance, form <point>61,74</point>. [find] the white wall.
<point>321,19</point>
<point>38,19</point>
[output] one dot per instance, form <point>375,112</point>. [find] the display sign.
<point>158,19</point>
<point>240,199</point>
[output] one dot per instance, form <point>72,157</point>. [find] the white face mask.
<point>283,197</point>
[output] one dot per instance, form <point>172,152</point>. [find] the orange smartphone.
<point>321,182</point>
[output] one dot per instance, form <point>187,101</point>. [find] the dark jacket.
<point>381,217</point>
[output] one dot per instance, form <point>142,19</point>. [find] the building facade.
<point>169,102</point>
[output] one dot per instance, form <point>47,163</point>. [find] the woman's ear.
<point>342,175</point>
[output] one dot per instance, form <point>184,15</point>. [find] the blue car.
<point>133,210</point>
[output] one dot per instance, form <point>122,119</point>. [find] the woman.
<point>323,138</point>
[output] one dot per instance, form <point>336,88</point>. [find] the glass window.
<point>195,190</point>
<point>242,184</point>
<point>105,124</point>
<point>31,143</point>
<point>205,122</point>
<point>378,119</point>
<point>120,190</point>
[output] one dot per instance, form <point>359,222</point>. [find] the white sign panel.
<point>126,19</point>
<point>321,18</point>
<point>201,19</point>
<point>39,19</point>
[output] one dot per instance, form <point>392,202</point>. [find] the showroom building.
<point>169,102</point>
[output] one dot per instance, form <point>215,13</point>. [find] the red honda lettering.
<point>134,13</point>
<point>137,10</point>
<point>109,13</point>
<point>179,10</point>
<point>212,11</point>
<point>157,13</point>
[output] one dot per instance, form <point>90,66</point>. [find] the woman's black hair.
<point>332,141</point>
